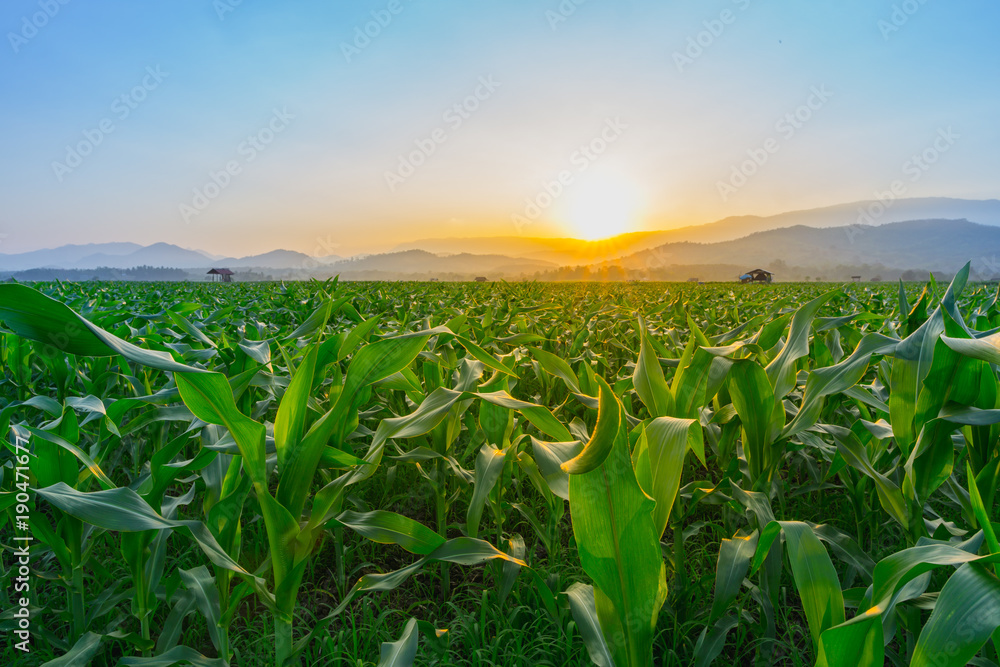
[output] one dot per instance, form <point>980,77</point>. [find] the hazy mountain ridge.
<point>833,244</point>
<point>578,252</point>
<point>128,255</point>
<point>560,251</point>
<point>422,261</point>
<point>935,245</point>
<point>65,256</point>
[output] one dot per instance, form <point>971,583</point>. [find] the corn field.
<point>386,474</point>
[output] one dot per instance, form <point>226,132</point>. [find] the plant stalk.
<point>282,640</point>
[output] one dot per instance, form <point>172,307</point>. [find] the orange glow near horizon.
<point>603,206</point>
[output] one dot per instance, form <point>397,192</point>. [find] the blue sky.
<point>322,183</point>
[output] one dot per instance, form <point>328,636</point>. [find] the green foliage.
<point>230,474</point>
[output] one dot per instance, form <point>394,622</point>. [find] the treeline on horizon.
<point>134,274</point>
<point>609,273</point>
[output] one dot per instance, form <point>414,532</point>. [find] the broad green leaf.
<point>191,330</point>
<point>80,655</point>
<point>831,380</point>
<point>815,579</point>
<point>965,615</point>
<point>554,365</point>
<point>648,378</point>
<point>338,458</point>
<point>602,442</point>
<point>855,454</point>
<point>403,651</point>
<point>460,550</point>
<point>930,462</point>
<point>539,416</point>
<point>754,401</point>
<point>582,606</point>
<point>512,567</point>
<point>893,572</point>
<point>391,528</point>
<point>357,336</point>
<point>844,547</point>
<point>206,596</point>
<point>619,547</point>
<point>982,517</point>
<point>176,655</point>
<point>289,423</point>
<point>710,644</point>
<point>31,314</point>
<point>691,391</point>
<point>668,440</point>
<point>379,360</point>
<point>985,349</point>
<point>210,399</point>
<point>550,457</point>
<point>483,356</point>
<point>911,364</point>
<point>316,321</point>
<point>732,568</point>
<point>489,465</point>
<point>781,371</point>
<point>124,510</point>
<point>258,350</point>
<point>856,643</point>
<point>91,466</point>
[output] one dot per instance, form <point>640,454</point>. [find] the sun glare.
<point>603,207</point>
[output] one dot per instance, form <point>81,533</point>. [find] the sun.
<point>603,206</point>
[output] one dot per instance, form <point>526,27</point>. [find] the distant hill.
<point>566,251</point>
<point>64,256</point>
<point>277,264</point>
<point>933,234</point>
<point>276,259</point>
<point>560,251</point>
<point>128,255</point>
<point>412,262</point>
<point>158,254</point>
<point>934,245</point>
<point>985,212</point>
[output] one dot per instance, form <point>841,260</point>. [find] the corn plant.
<point>652,474</point>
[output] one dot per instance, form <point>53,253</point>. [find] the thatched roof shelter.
<point>757,276</point>
<point>221,275</point>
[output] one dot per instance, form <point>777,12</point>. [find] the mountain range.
<point>568,251</point>
<point>932,245</point>
<point>127,255</point>
<point>836,242</point>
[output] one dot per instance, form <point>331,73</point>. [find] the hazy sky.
<point>242,126</point>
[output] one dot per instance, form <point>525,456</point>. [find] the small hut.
<point>221,275</point>
<point>480,279</point>
<point>757,276</point>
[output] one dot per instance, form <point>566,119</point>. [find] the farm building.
<point>480,279</point>
<point>757,276</point>
<point>221,275</point>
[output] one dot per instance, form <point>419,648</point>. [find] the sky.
<point>336,127</point>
